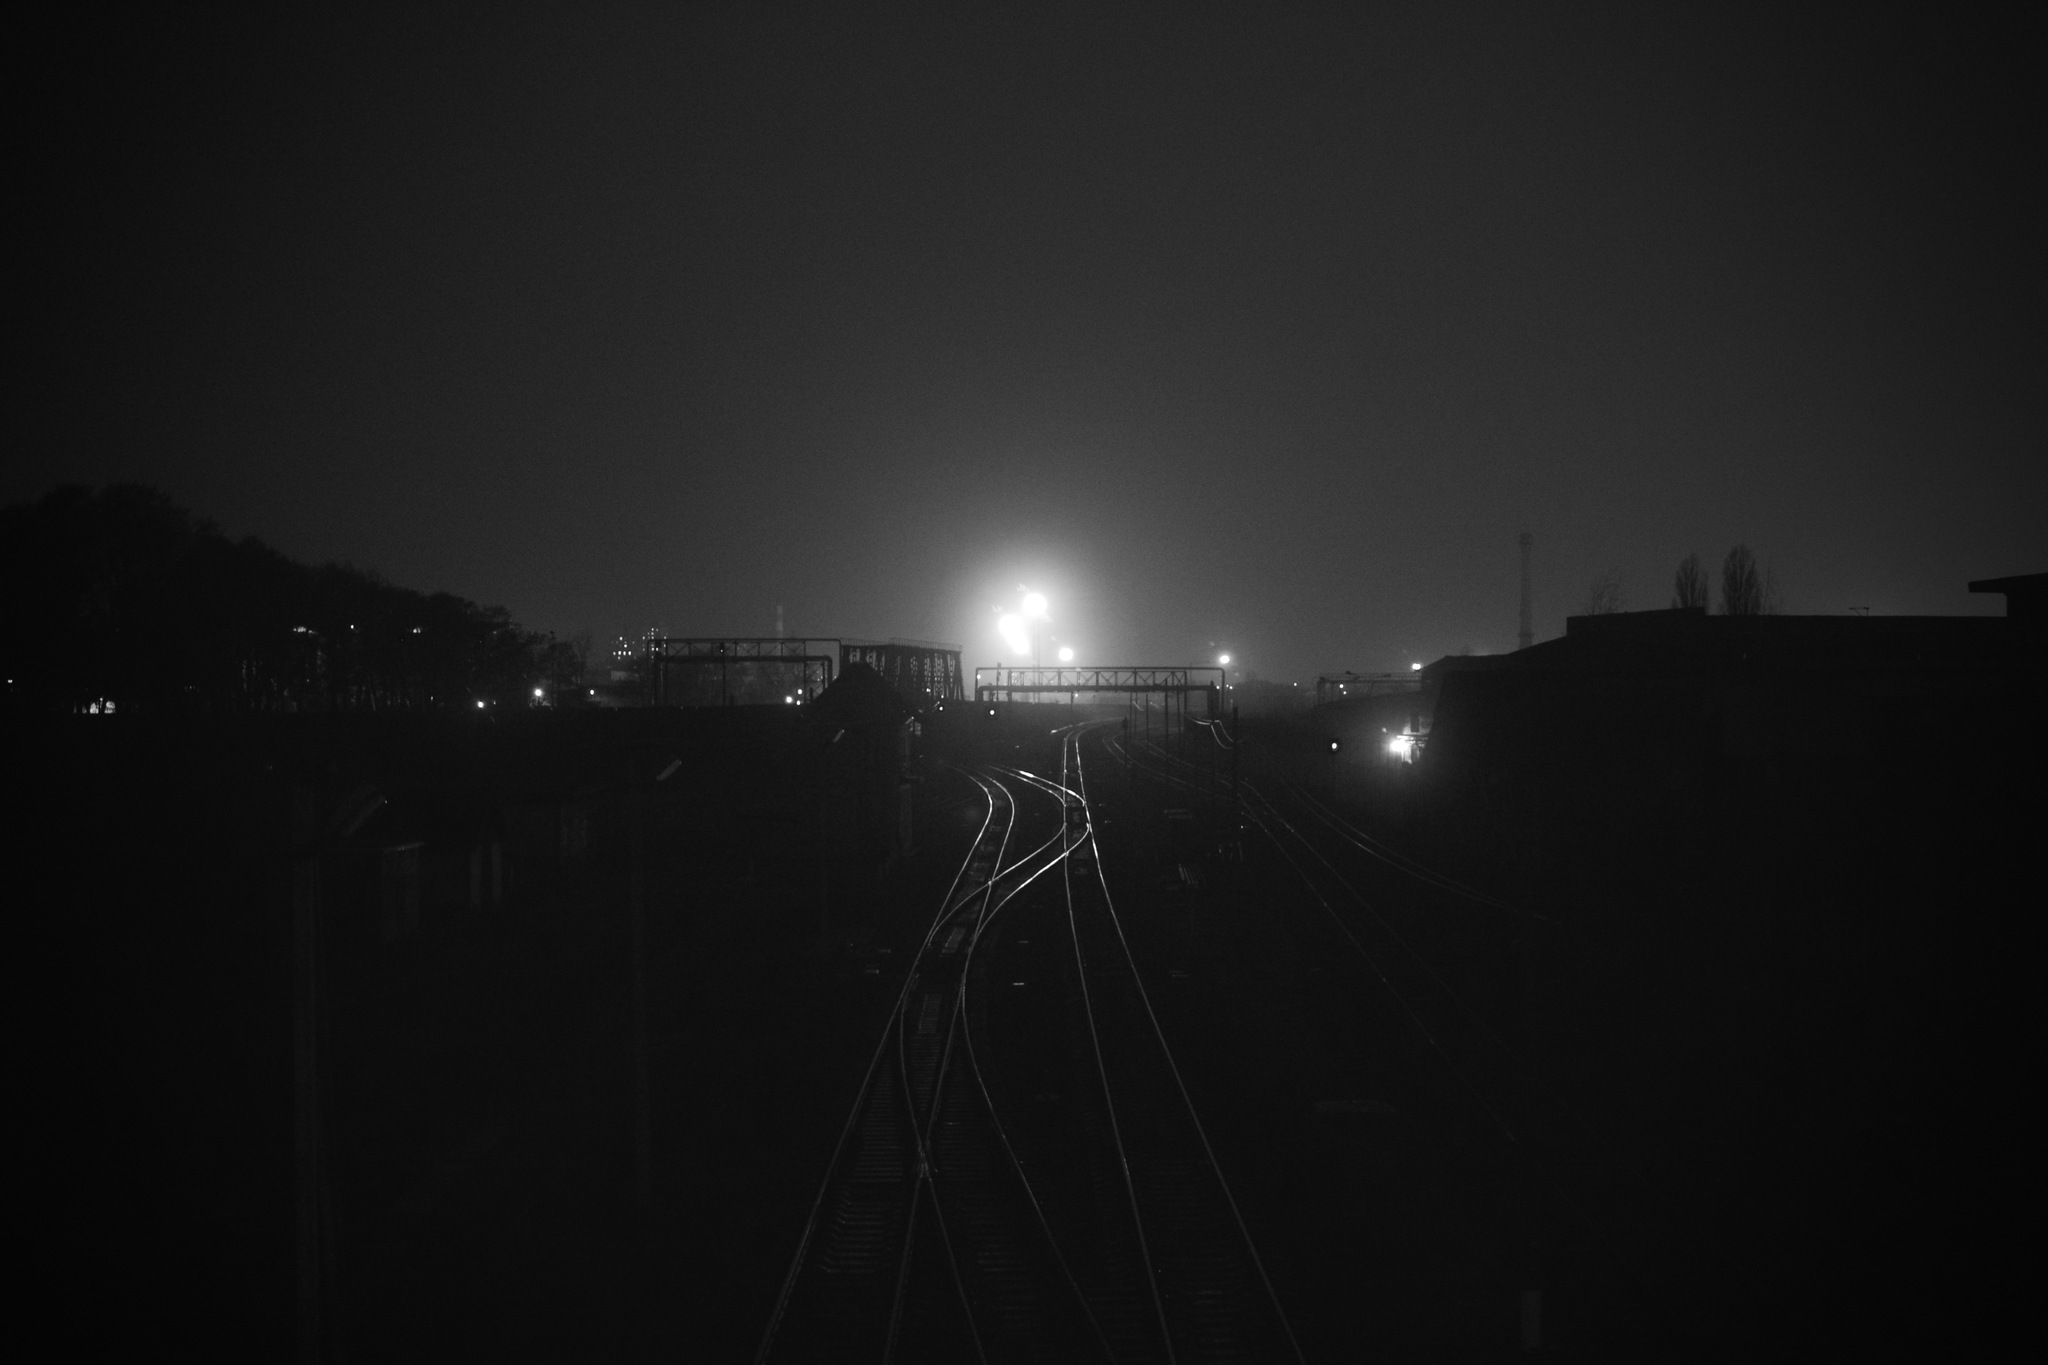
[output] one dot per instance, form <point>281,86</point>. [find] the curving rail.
<point>962,1217</point>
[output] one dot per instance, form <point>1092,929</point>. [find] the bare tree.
<point>1742,587</point>
<point>1689,588</point>
<point>1604,598</point>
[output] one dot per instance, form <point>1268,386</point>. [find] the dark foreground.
<point>1825,1096</point>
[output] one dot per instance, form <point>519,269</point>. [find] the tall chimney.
<point>1528,636</point>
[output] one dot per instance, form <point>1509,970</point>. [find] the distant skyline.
<point>1269,330</point>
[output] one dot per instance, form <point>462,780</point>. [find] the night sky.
<point>1226,327</point>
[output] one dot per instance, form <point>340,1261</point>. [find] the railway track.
<point>1022,1176</point>
<point>1413,936</point>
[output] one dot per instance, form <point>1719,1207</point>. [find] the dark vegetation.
<point>120,595</point>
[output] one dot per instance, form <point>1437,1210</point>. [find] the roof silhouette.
<point>858,696</point>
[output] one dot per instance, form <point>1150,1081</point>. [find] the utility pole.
<point>1528,636</point>
<point>1236,744</point>
<point>643,1118</point>
<point>309,1154</point>
<point>310,836</point>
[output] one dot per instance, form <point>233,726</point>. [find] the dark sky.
<point>1266,328</point>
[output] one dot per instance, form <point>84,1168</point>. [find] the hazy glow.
<point>1416,667</point>
<point>1222,658</point>
<point>536,691</point>
<point>1011,627</point>
<point>1402,747</point>
<point>1034,605</point>
<point>1066,654</point>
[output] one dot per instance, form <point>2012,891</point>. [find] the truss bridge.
<point>1176,684</point>
<point>706,670</point>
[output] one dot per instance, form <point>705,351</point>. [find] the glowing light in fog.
<point>1034,605</point>
<point>1402,747</point>
<point>1066,654</point>
<point>1416,668</point>
<point>1222,658</point>
<point>1011,628</point>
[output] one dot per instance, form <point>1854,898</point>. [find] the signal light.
<point>1335,744</point>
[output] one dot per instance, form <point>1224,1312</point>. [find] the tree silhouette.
<point>1689,587</point>
<point>1605,598</point>
<point>122,595</point>
<point>1742,587</point>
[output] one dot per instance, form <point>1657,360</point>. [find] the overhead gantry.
<point>758,670</point>
<point>1175,682</point>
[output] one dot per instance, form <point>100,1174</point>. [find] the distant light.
<point>1066,654</point>
<point>1415,667</point>
<point>415,630</point>
<point>537,692</point>
<point>1402,747</point>
<point>1011,628</point>
<point>593,691</point>
<point>479,706</point>
<point>1222,658</point>
<point>787,700</point>
<point>1035,605</point>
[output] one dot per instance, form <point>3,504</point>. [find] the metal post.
<point>1236,747</point>
<point>643,1119</point>
<point>309,1156</point>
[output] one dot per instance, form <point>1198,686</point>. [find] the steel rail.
<point>1548,1092</point>
<point>965,1016</point>
<point>864,1092</point>
<point>1071,752</point>
<point>1570,1199</point>
<point>1394,858</point>
<point>1033,865</point>
<point>1251,810</point>
<point>1065,794</point>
